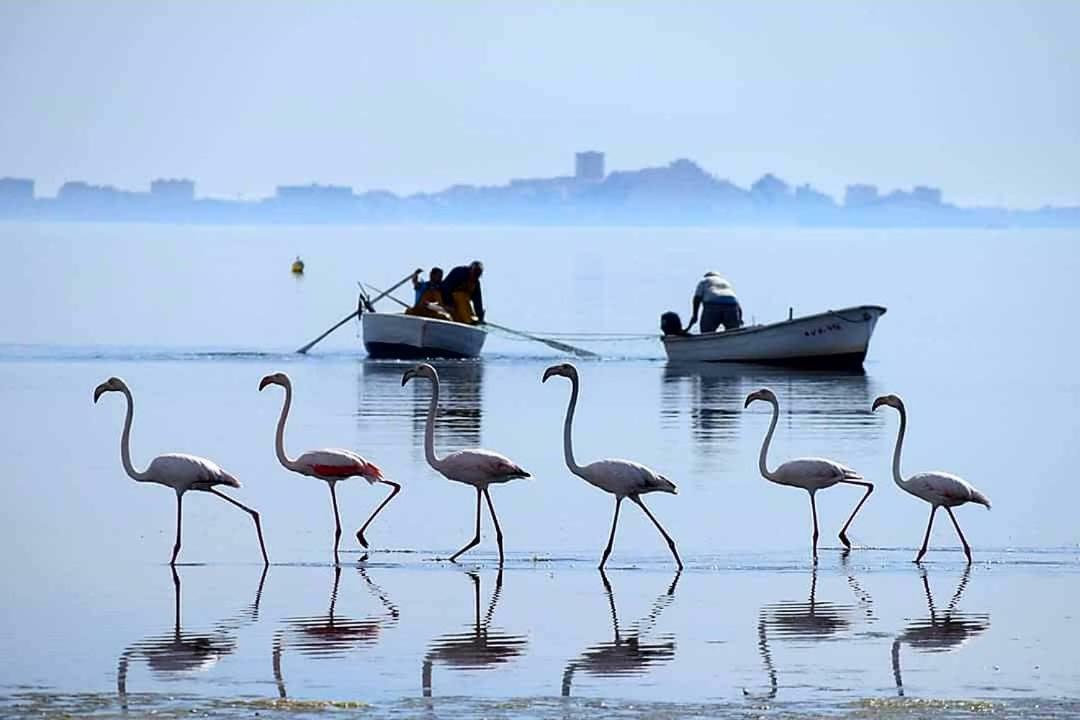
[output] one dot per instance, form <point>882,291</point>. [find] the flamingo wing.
<point>813,472</point>
<point>942,488</point>
<point>336,463</point>
<point>478,465</point>
<point>183,471</point>
<point>626,477</point>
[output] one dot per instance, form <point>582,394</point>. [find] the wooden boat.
<point>835,339</point>
<point>408,337</point>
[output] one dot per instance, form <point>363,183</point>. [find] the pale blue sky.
<point>981,98</point>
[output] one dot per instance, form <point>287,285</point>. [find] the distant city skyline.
<point>679,193</point>
<point>975,97</point>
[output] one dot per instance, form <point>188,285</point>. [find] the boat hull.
<point>837,339</point>
<point>407,337</point>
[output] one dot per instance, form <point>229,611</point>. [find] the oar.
<point>580,352</point>
<point>353,314</point>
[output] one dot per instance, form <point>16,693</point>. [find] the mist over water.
<point>975,339</point>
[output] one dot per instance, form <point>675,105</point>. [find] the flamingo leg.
<point>337,521</point>
<point>813,511</point>
<point>670,542</point>
<point>926,540</point>
<point>611,537</point>
<point>176,545</point>
<point>476,538</point>
<point>254,516</point>
<point>967,548</point>
<point>396,489</point>
<point>843,531</point>
<point>495,520</point>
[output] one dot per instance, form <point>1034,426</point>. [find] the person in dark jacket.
<point>461,293</point>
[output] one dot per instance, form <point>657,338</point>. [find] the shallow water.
<point>748,629</point>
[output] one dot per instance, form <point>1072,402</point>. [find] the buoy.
<point>298,266</point>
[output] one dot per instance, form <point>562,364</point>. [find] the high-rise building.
<point>589,166</point>
<point>860,195</point>
<point>16,191</point>
<point>173,191</point>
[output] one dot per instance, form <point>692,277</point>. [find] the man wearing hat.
<point>715,299</point>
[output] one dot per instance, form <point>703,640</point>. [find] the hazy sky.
<point>981,98</point>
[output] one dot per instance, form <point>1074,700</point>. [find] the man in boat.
<point>715,299</point>
<point>429,296</point>
<point>461,292</point>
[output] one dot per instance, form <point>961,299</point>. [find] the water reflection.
<point>941,632</point>
<point>177,652</point>
<point>461,399</point>
<point>479,647</point>
<point>813,620</point>
<point>626,653</point>
<point>710,396</point>
<point>330,635</point>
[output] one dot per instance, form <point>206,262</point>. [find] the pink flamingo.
<point>940,489</point>
<point>329,465</point>
<point>621,478</point>
<point>476,467</point>
<point>180,472</point>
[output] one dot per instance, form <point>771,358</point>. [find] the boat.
<point>835,339</point>
<point>397,336</point>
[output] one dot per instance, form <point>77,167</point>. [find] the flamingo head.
<point>763,394</point>
<point>421,370</point>
<point>567,370</point>
<point>278,378</point>
<point>890,400</point>
<point>113,384</point>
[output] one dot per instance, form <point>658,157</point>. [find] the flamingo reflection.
<point>480,647</point>
<point>627,653</point>
<point>330,635</point>
<point>941,632</point>
<point>813,620</point>
<point>178,651</point>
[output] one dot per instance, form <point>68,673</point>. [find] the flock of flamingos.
<point>483,468</point>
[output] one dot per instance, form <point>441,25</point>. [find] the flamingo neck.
<point>899,445</point>
<point>568,445</point>
<point>279,441</point>
<point>125,441</point>
<point>768,439</point>
<point>429,431</point>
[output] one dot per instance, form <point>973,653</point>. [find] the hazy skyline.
<point>978,98</point>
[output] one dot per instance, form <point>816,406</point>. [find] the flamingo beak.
<point>99,391</point>
<point>749,399</point>
<point>550,372</point>
<point>409,375</point>
<point>268,380</point>
<point>878,402</point>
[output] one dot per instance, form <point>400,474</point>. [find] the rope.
<point>599,337</point>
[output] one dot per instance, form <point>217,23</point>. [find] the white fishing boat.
<point>408,337</point>
<point>835,339</point>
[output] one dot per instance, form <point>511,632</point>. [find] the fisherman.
<point>720,305</point>
<point>429,296</point>
<point>461,293</point>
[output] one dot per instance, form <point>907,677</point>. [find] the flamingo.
<point>810,474</point>
<point>330,465</point>
<point>476,467</point>
<point>940,489</point>
<point>180,472</point>
<point>621,478</point>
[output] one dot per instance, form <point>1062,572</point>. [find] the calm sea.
<point>977,339</point>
